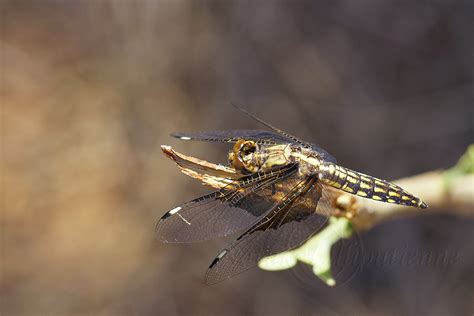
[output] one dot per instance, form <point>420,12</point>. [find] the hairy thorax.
<point>249,157</point>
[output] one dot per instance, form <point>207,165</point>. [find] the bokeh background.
<point>91,89</point>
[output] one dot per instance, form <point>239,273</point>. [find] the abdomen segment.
<point>359,184</point>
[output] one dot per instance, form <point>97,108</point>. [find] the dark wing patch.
<point>286,226</point>
<point>232,136</point>
<point>223,212</point>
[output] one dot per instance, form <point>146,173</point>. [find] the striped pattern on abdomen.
<point>366,186</point>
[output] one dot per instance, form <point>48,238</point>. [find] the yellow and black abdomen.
<point>357,183</point>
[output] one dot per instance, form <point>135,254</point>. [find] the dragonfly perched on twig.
<point>277,188</point>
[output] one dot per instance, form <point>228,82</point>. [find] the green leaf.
<point>465,165</point>
<point>315,252</point>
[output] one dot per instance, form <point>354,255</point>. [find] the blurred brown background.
<point>91,89</point>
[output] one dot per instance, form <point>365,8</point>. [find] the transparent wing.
<point>220,213</point>
<point>232,136</point>
<point>323,154</point>
<point>293,139</point>
<point>258,136</point>
<point>286,226</point>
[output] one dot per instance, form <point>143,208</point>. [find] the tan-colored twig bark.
<point>457,195</point>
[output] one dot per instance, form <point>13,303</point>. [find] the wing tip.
<point>158,226</point>
<point>181,136</point>
<point>212,275</point>
<point>162,236</point>
<point>158,229</point>
<point>218,258</point>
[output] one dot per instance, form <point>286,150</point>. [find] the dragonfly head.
<point>245,156</point>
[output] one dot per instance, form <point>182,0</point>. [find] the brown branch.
<point>457,196</point>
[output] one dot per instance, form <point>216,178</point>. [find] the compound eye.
<point>249,149</point>
<point>243,156</point>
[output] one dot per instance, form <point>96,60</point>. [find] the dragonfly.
<point>277,190</point>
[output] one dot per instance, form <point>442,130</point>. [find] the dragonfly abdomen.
<point>360,184</point>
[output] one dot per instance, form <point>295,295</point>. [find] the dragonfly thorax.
<point>308,160</point>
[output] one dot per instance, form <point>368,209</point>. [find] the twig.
<point>452,189</point>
